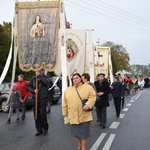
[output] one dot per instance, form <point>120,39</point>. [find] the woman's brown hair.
<point>77,74</point>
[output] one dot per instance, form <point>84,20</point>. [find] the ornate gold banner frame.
<point>37,38</point>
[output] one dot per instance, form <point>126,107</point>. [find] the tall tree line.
<point>140,70</point>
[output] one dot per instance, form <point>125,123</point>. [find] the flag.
<point>37,38</point>
<point>75,52</point>
<point>103,58</point>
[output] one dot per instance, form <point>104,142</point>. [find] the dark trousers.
<point>102,115</point>
<point>23,106</point>
<point>117,102</point>
<point>41,121</point>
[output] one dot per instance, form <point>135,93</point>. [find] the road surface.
<point>130,132</point>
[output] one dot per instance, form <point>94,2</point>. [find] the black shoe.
<point>45,132</point>
<point>23,117</point>
<point>118,116</point>
<point>17,120</point>
<point>38,133</point>
<point>103,126</point>
<point>8,121</point>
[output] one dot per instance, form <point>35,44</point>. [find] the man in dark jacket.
<point>43,85</point>
<point>146,79</point>
<point>102,87</point>
<point>117,93</point>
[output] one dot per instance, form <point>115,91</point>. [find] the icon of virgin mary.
<point>38,28</point>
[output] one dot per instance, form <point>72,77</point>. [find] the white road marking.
<point>98,142</point>
<point>138,96</point>
<point>114,125</point>
<point>129,104</point>
<point>125,109</point>
<point>122,116</point>
<point>109,142</point>
<point>134,96</point>
<point>132,101</point>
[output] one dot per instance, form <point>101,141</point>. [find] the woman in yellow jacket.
<point>78,115</point>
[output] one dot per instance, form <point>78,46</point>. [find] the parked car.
<point>5,88</point>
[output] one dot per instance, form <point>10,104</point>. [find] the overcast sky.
<point>125,22</point>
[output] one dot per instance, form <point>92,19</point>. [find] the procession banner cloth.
<point>38,24</point>
<point>75,52</point>
<point>103,58</point>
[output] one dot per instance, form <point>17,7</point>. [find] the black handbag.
<point>83,101</point>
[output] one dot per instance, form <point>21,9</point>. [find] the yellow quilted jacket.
<point>72,105</point>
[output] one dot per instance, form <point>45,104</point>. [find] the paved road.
<point>130,132</point>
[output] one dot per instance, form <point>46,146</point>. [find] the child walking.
<point>15,101</point>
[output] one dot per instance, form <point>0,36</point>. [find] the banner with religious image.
<point>103,60</point>
<point>75,52</point>
<point>38,29</point>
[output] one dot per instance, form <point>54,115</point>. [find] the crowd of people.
<point>133,83</point>
<point>38,87</point>
<point>97,94</point>
<point>78,101</point>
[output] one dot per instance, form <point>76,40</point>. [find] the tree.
<point>140,70</point>
<point>120,56</point>
<point>5,41</point>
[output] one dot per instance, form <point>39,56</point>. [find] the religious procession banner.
<point>102,64</point>
<point>75,52</point>
<point>96,62</point>
<point>37,38</point>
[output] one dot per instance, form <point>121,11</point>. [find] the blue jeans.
<point>11,111</point>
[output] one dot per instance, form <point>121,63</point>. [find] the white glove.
<point>66,120</point>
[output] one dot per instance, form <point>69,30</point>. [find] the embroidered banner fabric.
<point>75,52</point>
<point>103,53</point>
<point>38,24</point>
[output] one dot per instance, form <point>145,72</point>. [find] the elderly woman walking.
<point>118,93</point>
<point>78,113</point>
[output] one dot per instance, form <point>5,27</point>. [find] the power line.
<point>109,15</point>
<point>105,16</point>
<point>122,11</point>
<point>121,14</point>
<point>99,16</point>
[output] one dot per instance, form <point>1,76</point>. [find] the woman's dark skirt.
<point>81,130</point>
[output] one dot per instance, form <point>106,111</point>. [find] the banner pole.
<point>63,47</point>
<point>36,98</point>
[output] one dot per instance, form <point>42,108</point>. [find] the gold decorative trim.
<point>40,4</point>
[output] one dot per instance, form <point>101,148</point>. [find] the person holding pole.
<point>38,86</point>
